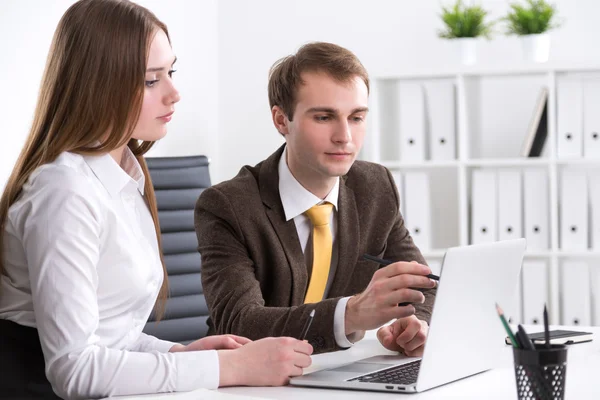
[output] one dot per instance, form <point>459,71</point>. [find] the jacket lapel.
<point>286,231</point>
<point>348,239</point>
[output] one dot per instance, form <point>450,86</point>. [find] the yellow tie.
<point>322,243</point>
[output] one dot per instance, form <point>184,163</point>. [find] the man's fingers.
<point>402,267</point>
<point>405,296</point>
<point>418,352</point>
<point>385,336</point>
<point>415,343</point>
<point>402,312</point>
<point>409,281</point>
<point>409,334</point>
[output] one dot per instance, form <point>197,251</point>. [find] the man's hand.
<point>378,304</point>
<point>406,335</point>
<point>219,342</point>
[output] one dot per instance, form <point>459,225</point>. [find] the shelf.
<point>483,162</point>
<point>507,162</point>
<point>577,253</point>
<point>437,253</point>
<point>579,161</point>
<point>419,165</point>
<point>492,70</point>
<point>493,107</point>
<point>538,253</point>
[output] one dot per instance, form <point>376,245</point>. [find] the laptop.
<point>465,334</point>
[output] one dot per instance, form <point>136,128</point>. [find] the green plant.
<point>465,22</point>
<point>536,16</point>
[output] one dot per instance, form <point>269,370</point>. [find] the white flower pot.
<point>467,50</point>
<point>536,47</point>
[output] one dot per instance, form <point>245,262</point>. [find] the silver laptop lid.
<point>466,336</point>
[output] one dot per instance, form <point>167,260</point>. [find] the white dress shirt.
<point>82,266</point>
<point>296,199</point>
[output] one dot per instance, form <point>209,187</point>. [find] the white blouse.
<point>82,265</point>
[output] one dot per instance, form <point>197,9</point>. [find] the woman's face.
<point>160,94</point>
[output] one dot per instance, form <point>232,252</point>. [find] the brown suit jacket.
<point>254,274</point>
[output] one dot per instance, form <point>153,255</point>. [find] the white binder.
<point>535,291</point>
<point>510,205</point>
<point>591,118</point>
<point>536,210</point>
<point>570,118</point>
<point>595,293</point>
<point>397,175</point>
<point>576,293</point>
<point>594,192</point>
<point>573,210</point>
<point>418,208</point>
<point>411,114</point>
<point>436,265</point>
<point>441,118</point>
<point>484,210</point>
<point>514,311</point>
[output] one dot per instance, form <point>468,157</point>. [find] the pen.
<point>524,339</point>
<point>307,325</point>
<point>511,336</point>
<point>387,262</point>
<point>546,330</point>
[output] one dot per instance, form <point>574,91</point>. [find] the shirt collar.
<point>115,177</point>
<point>294,197</point>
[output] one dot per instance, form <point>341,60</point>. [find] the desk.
<point>583,377</point>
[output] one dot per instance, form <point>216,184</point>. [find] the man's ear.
<point>280,120</point>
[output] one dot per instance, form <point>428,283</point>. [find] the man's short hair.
<point>285,75</point>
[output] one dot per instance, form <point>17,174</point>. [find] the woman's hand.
<point>219,342</point>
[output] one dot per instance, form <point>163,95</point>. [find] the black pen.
<point>307,325</point>
<point>387,262</point>
<point>526,342</point>
<point>546,329</point>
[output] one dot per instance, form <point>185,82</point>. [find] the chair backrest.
<point>178,181</point>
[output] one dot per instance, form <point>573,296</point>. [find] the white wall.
<point>388,36</point>
<point>26,29</point>
<point>225,49</point>
<point>25,37</point>
<point>193,30</point>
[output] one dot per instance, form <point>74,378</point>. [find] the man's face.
<point>328,127</point>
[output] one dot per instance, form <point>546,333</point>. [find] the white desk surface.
<point>583,378</point>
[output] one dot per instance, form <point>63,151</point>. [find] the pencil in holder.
<point>541,373</point>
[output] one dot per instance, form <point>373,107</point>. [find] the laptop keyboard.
<point>405,374</point>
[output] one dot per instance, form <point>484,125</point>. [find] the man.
<point>287,236</point>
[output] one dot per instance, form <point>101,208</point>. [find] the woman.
<point>80,264</point>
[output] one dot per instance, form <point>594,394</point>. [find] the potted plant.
<point>463,24</point>
<point>531,22</point>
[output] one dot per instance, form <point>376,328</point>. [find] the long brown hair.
<point>91,92</point>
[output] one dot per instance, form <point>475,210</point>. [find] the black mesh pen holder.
<point>541,373</point>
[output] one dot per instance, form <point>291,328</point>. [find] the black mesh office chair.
<point>178,181</point>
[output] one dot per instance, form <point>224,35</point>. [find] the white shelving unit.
<point>493,108</point>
